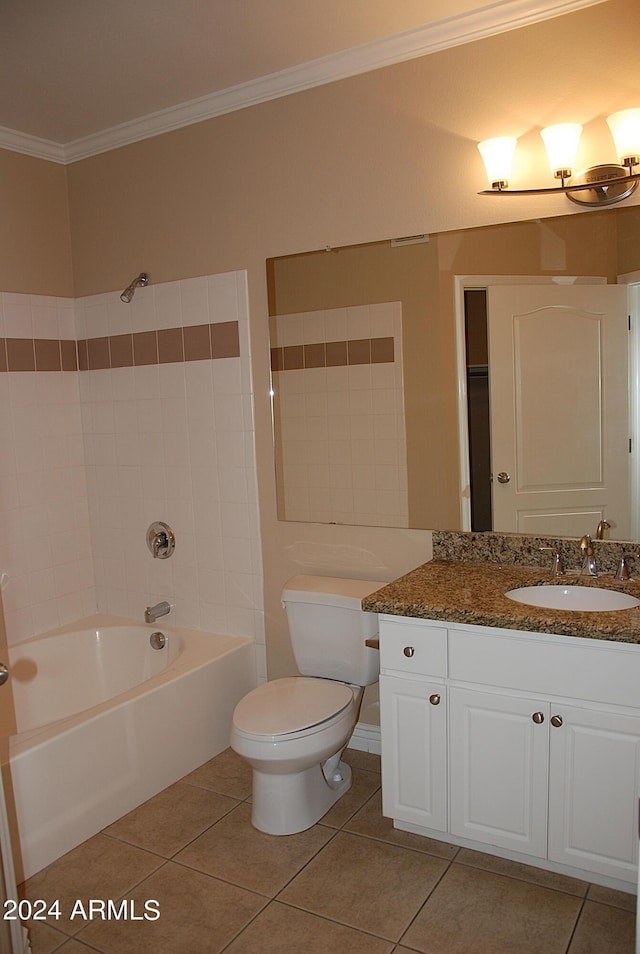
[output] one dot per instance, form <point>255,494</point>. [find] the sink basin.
<point>591,599</point>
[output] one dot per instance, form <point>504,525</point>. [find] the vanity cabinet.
<point>532,749</point>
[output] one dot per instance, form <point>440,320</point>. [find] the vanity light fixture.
<point>596,186</point>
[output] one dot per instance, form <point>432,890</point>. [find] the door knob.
<point>434,699</point>
<point>4,674</point>
<point>408,651</point>
<point>504,477</point>
<point>538,717</point>
<point>556,721</point>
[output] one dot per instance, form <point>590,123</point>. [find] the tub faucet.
<point>152,613</point>
<point>588,556</point>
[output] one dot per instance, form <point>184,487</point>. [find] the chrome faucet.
<point>152,613</point>
<point>588,556</point>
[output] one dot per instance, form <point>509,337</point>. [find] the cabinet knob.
<point>434,699</point>
<point>538,717</point>
<point>556,721</point>
<point>408,651</point>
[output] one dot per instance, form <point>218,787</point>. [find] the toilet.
<point>292,731</point>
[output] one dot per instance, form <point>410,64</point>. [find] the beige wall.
<point>387,153</point>
<point>35,242</point>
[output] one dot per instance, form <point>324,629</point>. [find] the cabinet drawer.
<point>591,669</point>
<point>412,646</point>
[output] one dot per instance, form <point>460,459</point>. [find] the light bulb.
<point>561,142</point>
<point>625,129</point>
<point>497,155</point>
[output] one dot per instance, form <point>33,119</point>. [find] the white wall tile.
<point>103,453</point>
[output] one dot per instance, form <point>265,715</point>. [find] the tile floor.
<point>350,884</point>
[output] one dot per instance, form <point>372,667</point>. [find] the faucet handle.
<point>558,562</point>
<point>586,545</point>
<point>623,573</point>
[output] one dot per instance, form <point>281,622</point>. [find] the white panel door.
<point>559,408</point>
<point>414,751</point>
<point>499,759</point>
<point>594,784</point>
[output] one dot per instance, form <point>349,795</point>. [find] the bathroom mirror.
<point>366,370</point>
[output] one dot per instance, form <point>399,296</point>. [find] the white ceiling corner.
<point>485,21</point>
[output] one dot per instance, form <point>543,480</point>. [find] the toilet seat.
<point>290,705</point>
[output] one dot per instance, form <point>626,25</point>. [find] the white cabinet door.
<point>414,754</point>
<point>499,760</point>
<point>594,784</point>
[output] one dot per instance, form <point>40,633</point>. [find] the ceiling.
<point>80,76</point>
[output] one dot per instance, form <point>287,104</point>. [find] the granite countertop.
<point>470,591</point>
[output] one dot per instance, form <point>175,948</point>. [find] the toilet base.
<point>286,804</point>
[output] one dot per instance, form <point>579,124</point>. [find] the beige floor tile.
<point>171,819</point>
<point>513,869</point>
<point>100,868</point>
<point>227,774</point>
<point>75,947</point>
<point>367,884</point>
<point>44,939</point>
<point>280,929</point>
<point>198,915</point>
<point>477,911</point>
<point>617,899</point>
<point>235,851</point>
<point>370,821</point>
<point>604,930</point>
<point>363,761</point>
<point>363,786</point>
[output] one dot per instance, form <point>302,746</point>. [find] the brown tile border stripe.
<point>333,354</point>
<point>170,345</point>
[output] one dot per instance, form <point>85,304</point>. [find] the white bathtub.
<point>105,722</point>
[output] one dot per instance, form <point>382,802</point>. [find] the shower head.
<point>129,292</point>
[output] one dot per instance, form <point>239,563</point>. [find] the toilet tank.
<point>328,628</point>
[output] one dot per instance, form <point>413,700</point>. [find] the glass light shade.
<point>561,142</point>
<point>625,129</point>
<point>497,155</point>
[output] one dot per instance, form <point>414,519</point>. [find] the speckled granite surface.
<point>520,550</point>
<point>468,586</point>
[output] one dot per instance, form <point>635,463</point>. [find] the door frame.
<point>464,282</point>
<point>632,280</point>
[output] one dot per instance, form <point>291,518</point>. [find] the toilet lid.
<point>290,704</point>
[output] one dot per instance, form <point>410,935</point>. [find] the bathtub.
<point>105,721</point>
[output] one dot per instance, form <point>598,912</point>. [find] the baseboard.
<point>366,738</point>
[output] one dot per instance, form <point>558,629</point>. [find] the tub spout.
<point>152,613</point>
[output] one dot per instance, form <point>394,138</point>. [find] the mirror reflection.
<point>378,370</point>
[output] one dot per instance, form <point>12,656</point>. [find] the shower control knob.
<point>4,674</point>
<point>161,540</point>
<point>408,651</point>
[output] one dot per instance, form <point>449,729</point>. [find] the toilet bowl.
<point>293,730</point>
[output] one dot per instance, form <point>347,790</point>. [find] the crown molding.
<point>28,145</point>
<point>498,17</point>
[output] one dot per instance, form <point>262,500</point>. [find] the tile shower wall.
<point>164,416</point>
<point>339,414</point>
<point>44,512</point>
